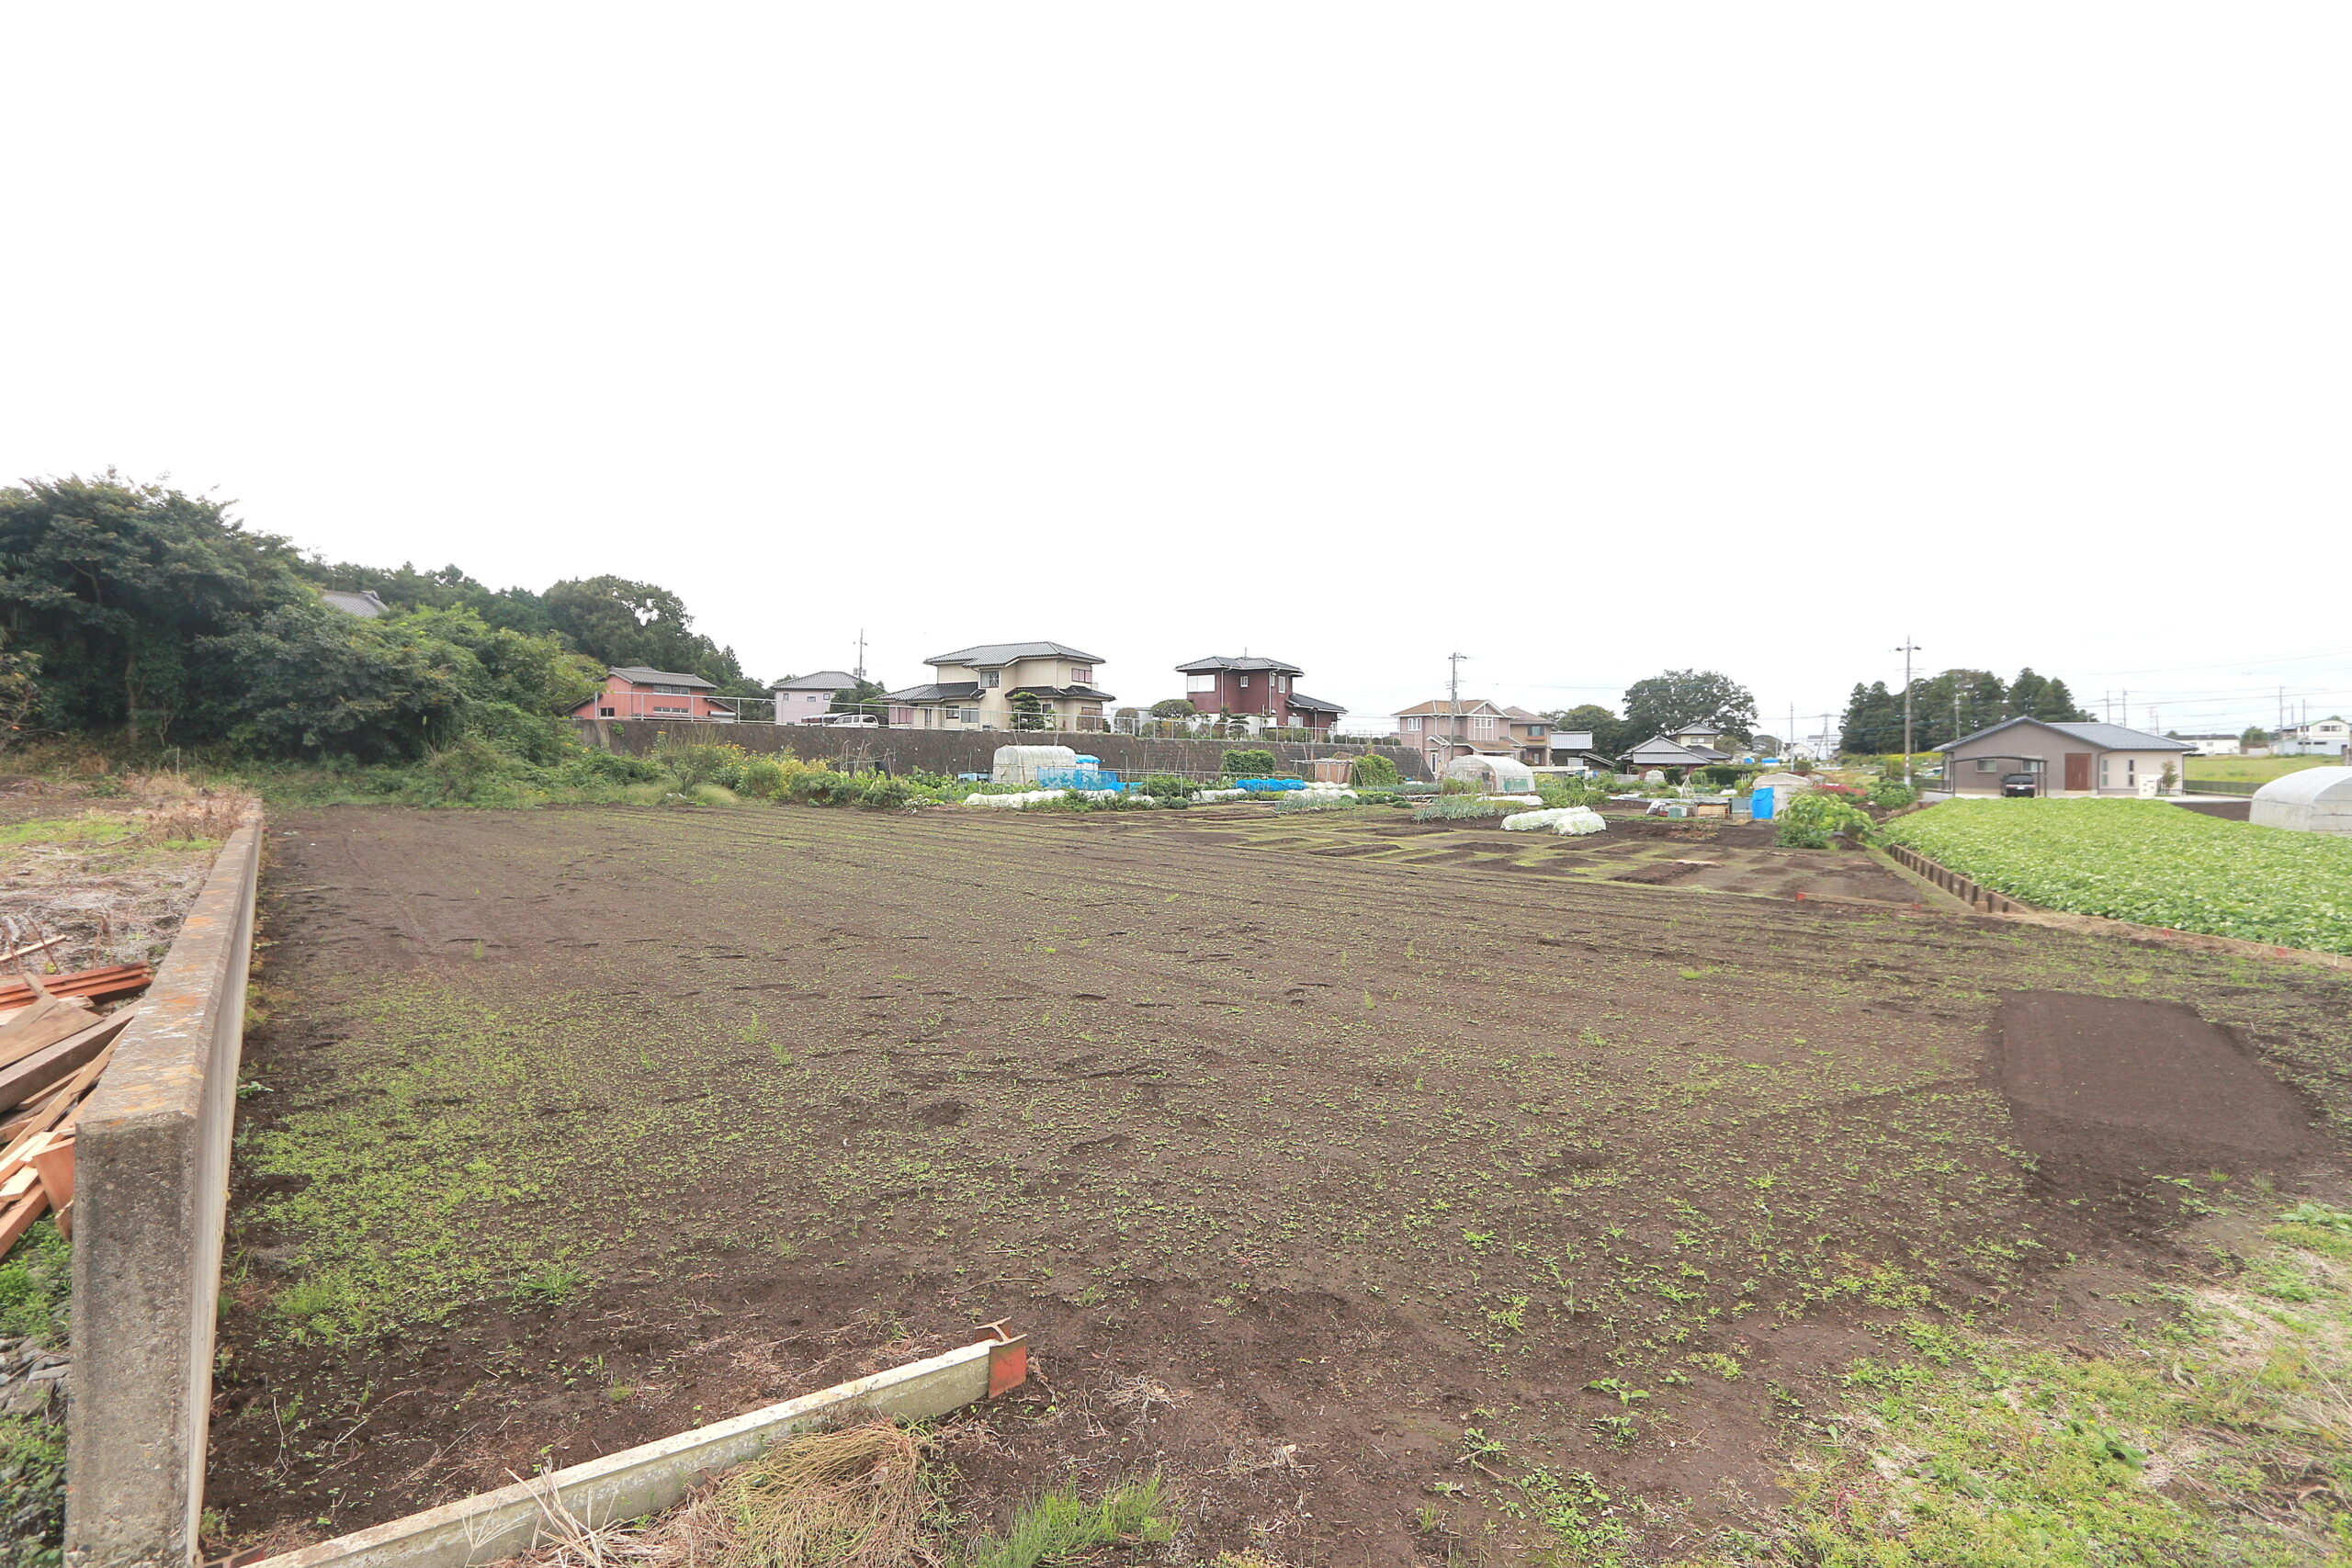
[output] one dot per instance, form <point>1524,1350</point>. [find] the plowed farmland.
<point>1336,1186</point>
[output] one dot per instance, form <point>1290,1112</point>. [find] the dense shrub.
<point>1814,819</point>
<point>1892,795</point>
<point>1248,762</point>
<point>1558,792</point>
<point>880,791</point>
<point>1373,771</point>
<point>824,788</point>
<point>1168,786</point>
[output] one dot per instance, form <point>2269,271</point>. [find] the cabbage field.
<point>2148,862</point>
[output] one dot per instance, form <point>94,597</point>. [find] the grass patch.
<point>1062,1528</point>
<point>2221,1440</point>
<point>35,1304</point>
<point>2251,769</point>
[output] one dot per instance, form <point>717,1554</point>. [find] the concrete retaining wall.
<point>972,750</point>
<point>151,1191</point>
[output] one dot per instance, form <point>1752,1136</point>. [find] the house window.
<point>604,713</point>
<point>1200,683</point>
<point>1245,681</point>
<point>970,715</point>
<point>1081,674</point>
<point>668,692</point>
<point>1484,725</point>
<point>1988,765</point>
<point>2103,780</point>
<point>1536,731</point>
<point>1412,724</point>
<point>2132,772</point>
<point>990,677</point>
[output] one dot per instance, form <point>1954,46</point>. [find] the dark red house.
<point>1263,688</point>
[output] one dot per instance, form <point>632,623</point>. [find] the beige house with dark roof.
<point>975,686</point>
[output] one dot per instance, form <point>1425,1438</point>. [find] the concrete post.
<point>150,1194</point>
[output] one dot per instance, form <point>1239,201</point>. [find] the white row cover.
<point>1571,821</point>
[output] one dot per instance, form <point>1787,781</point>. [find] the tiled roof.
<point>822,681</point>
<point>1301,700</point>
<point>2106,737</point>
<point>1082,694</point>
<point>644,677</point>
<point>1444,709</point>
<point>947,692</point>
<point>1248,661</point>
<point>991,654</point>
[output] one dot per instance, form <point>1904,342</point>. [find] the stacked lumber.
<point>53,1049</point>
<point>98,985</point>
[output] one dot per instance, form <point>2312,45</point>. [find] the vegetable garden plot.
<point>2149,862</point>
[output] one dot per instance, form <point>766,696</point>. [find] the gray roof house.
<point>2065,758</point>
<point>1658,751</point>
<point>805,696</point>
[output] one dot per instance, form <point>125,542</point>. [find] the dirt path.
<point>581,1126</point>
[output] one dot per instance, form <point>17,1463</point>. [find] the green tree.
<point>1029,711</point>
<point>865,697</point>
<point>1174,707</point>
<point>618,621</point>
<point>1873,722</point>
<point>2036,696</point>
<point>1248,762</point>
<point>2254,734</point>
<point>111,583</point>
<point>1680,699</point>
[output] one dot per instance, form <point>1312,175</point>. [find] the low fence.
<point>2221,786</point>
<point>974,751</point>
<point>1977,895</point>
<point>151,1191</point>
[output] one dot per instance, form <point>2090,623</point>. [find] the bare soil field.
<point>1339,1169</point>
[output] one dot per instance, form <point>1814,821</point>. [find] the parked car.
<point>2017,784</point>
<point>846,720</point>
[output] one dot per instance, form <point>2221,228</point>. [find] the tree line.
<point>138,610</point>
<point>1948,707</point>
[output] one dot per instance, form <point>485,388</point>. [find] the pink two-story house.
<point>632,692</point>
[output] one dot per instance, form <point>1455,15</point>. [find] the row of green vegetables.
<point>2148,862</point>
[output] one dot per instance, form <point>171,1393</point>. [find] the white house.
<point>803,698</point>
<point>2322,738</point>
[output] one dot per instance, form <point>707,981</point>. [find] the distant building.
<point>635,692</point>
<point>2213,745</point>
<point>976,687</point>
<point>2063,759</point>
<point>803,698</point>
<point>362,603</point>
<point>1442,729</point>
<point>1265,690</point>
<point>1664,752</point>
<point>2322,738</point>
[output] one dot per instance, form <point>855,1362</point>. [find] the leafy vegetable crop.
<point>2149,862</point>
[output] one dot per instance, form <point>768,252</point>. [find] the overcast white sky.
<point>1587,341</point>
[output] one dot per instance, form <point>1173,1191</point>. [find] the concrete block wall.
<point>971,751</point>
<point>150,1196</point>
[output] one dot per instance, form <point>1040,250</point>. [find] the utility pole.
<point>1907,649</point>
<point>860,670</point>
<point>1453,696</point>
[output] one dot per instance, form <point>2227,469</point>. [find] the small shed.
<point>2316,800</point>
<point>1021,764</point>
<point>1497,775</point>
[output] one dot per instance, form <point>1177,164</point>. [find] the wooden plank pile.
<point>54,1043</point>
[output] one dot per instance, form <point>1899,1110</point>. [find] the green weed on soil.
<point>2222,1439</point>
